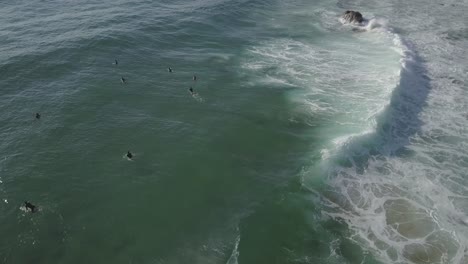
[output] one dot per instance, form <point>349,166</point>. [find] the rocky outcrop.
<point>352,17</point>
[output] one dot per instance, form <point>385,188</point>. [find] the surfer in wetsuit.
<point>194,78</point>
<point>169,69</point>
<point>191,90</point>
<point>38,116</point>
<point>122,79</point>
<point>129,155</point>
<point>30,207</point>
<point>116,62</point>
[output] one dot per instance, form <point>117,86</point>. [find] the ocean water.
<point>307,141</point>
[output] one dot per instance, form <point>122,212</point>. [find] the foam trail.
<point>198,98</point>
<point>235,252</point>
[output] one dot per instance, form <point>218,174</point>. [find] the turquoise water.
<point>308,141</point>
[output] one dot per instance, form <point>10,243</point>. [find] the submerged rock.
<point>352,17</point>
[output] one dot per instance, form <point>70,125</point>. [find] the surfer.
<point>122,79</point>
<point>116,62</point>
<point>129,155</point>
<point>169,69</point>
<point>194,78</point>
<point>30,207</point>
<point>191,90</point>
<point>38,116</point>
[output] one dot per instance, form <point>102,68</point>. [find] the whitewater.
<point>403,191</point>
<point>306,139</point>
<point>396,158</point>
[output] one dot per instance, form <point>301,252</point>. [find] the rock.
<point>352,17</point>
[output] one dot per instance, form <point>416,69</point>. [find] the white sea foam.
<point>400,206</point>
<point>197,97</point>
<point>235,252</point>
<point>392,181</point>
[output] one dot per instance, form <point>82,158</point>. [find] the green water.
<point>232,175</point>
